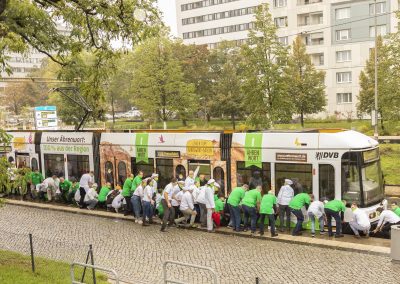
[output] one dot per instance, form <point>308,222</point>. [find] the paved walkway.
<point>348,243</point>
<point>137,253</point>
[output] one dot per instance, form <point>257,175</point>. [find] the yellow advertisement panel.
<point>200,148</point>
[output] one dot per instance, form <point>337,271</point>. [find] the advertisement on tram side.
<point>22,150</point>
<point>168,154</point>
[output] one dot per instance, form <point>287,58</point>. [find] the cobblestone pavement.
<point>137,253</point>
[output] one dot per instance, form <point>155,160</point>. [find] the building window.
<point>380,8</point>
<point>217,31</point>
<point>343,77</point>
<point>343,35</point>
<point>343,56</point>
<point>344,98</point>
<point>283,40</point>
<point>281,22</point>
<point>342,13</point>
<point>280,3</point>
<point>203,3</point>
<point>381,30</point>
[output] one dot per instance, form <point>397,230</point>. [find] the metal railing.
<point>112,271</point>
<point>166,280</point>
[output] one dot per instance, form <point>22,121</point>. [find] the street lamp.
<point>375,114</point>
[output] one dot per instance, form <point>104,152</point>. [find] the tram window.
<point>77,166</point>
<point>180,170</point>
<point>254,176</point>
<point>109,172</point>
<point>121,172</point>
<point>300,174</point>
<point>23,161</point>
<point>326,182</point>
<point>219,176</point>
<point>165,171</point>
<point>34,164</point>
<point>54,165</point>
<point>146,168</point>
<point>205,167</point>
<point>351,189</point>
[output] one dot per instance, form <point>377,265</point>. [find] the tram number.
<point>326,155</point>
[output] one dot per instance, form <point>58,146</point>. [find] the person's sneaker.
<point>322,232</point>
<point>194,226</point>
<point>253,234</point>
<point>357,236</point>
<point>89,208</point>
<point>140,222</point>
<point>274,235</point>
<point>339,236</point>
<point>313,235</point>
<point>229,226</point>
<point>136,221</point>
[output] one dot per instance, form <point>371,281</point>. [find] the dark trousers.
<point>128,207</point>
<point>169,214</point>
<point>252,213</point>
<point>235,215</point>
<point>82,191</point>
<point>271,220</point>
<point>300,219</point>
<point>197,209</point>
<point>178,212</point>
<point>284,209</point>
<point>329,214</point>
<point>203,215</point>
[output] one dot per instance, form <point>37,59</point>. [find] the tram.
<point>330,163</point>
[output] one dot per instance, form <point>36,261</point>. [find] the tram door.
<point>165,171</point>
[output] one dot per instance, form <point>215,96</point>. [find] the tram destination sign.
<point>291,157</point>
<point>168,154</point>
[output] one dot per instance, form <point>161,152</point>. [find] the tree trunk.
<point>3,5</point>
<point>233,121</point>
<point>208,117</point>
<point>113,111</point>
<point>382,125</point>
<point>302,119</point>
<point>184,122</point>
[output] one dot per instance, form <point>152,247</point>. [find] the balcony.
<point>310,19</point>
<point>307,2</point>
<point>317,59</point>
<point>314,39</point>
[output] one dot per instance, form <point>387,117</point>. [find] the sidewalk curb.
<point>335,245</point>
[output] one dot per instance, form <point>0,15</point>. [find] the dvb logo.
<point>326,155</point>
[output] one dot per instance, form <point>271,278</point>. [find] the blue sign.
<point>45,108</point>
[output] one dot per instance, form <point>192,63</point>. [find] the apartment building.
<point>339,34</point>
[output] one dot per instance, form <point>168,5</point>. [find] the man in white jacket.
<point>91,197</point>
<point>187,207</point>
<point>285,194</point>
<point>210,204</point>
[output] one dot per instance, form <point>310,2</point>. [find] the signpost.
<point>46,118</point>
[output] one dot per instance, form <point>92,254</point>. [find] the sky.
<point>167,7</point>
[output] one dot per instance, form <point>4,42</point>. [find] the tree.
<point>20,95</point>
<point>388,82</point>
<point>226,69</point>
<point>306,87</point>
<point>263,81</point>
<point>158,85</point>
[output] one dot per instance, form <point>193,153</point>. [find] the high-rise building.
<point>339,34</point>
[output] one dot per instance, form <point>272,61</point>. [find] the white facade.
<point>338,34</point>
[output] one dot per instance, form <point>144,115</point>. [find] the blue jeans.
<point>252,213</point>
<point>329,214</point>
<point>137,206</point>
<point>271,220</point>
<point>320,220</point>
<point>147,210</point>
<point>300,219</point>
<point>235,217</point>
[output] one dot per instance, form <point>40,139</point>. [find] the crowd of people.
<point>191,200</point>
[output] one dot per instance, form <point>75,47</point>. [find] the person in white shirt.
<point>201,200</point>
<point>176,198</point>
<point>154,177</point>
<point>360,221</point>
<point>85,183</point>
<point>117,202</point>
<point>210,204</point>
<point>387,219</point>
<point>91,197</point>
<point>148,202</point>
<point>137,199</point>
<point>285,194</point>
<point>187,207</point>
<point>191,178</point>
<point>49,186</point>
<point>169,211</point>
<point>316,211</point>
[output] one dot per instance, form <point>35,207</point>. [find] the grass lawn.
<point>15,268</point>
<point>390,155</point>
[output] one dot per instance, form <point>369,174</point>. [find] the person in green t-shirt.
<point>35,178</point>
<point>64,187</point>
<point>219,210</point>
<point>396,208</point>
<point>234,200</point>
<point>332,209</point>
<point>127,194</point>
<point>137,181</point>
<point>251,204</point>
<point>268,209</point>
<point>295,205</point>
<point>103,194</point>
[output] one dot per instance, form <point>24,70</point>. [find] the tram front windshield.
<point>362,178</point>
